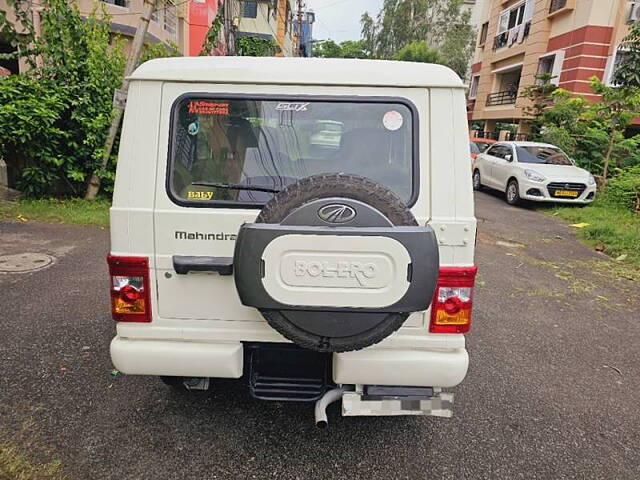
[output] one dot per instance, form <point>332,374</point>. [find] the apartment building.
<point>168,25</point>
<point>271,19</point>
<point>573,40</point>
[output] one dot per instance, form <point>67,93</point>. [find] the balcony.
<point>508,97</point>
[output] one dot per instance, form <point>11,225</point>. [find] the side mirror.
<point>508,157</point>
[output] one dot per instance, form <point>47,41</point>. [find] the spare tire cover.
<point>329,331</point>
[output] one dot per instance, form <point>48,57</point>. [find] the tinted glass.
<point>482,146</point>
<point>497,151</point>
<point>272,143</point>
<point>548,155</point>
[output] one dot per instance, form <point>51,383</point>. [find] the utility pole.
<point>120,95</point>
<point>300,13</point>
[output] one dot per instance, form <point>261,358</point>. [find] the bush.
<point>624,189</point>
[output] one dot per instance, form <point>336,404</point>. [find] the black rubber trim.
<point>415,139</point>
<point>183,264</point>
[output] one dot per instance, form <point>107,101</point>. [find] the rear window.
<point>548,155</point>
<point>237,151</point>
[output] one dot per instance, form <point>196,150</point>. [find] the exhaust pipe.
<point>322,404</point>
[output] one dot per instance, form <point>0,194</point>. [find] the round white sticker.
<point>392,120</point>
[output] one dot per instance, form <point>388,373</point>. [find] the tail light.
<point>130,299</point>
<point>452,300</point>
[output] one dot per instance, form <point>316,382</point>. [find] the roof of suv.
<point>298,71</point>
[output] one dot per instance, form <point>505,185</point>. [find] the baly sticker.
<point>392,120</point>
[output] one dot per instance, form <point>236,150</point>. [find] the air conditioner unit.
<point>634,12</point>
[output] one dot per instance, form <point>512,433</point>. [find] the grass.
<point>614,230</point>
<point>15,465</point>
<point>75,211</point>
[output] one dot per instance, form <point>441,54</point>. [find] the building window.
<point>545,65</point>
<point>511,18</point>
<point>118,3</point>
<point>557,5</point>
<point>170,18</point>
<point>473,89</point>
<point>613,64</point>
<point>250,9</point>
<point>484,30</point>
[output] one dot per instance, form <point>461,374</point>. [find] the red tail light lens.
<point>130,300</point>
<point>452,300</point>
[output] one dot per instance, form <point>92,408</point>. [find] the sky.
<point>339,20</point>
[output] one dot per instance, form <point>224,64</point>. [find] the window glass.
<point>474,147</point>
<point>473,89</point>
<point>497,151</point>
<point>268,144</point>
<point>544,155</point>
<point>482,146</point>
<point>250,9</point>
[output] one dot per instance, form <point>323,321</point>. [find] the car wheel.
<point>477,184</point>
<point>174,382</point>
<point>513,193</point>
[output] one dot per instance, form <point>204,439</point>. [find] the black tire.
<point>513,192</point>
<point>350,187</point>
<point>477,181</point>
<point>173,382</point>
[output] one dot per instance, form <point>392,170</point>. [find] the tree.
<point>442,24</point>
<point>346,49</point>
<point>55,117</point>
<point>593,133</point>
<point>627,72</point>
<point>540,96</point>
<point>418,52</point>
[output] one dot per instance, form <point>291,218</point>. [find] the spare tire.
<point>327,204</point>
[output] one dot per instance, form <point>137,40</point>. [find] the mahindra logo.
<point>337,213</point>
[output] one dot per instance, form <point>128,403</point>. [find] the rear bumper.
<point>372,366</point>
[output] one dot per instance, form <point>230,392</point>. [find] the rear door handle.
<point>184,264</point>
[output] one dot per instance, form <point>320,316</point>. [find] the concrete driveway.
<point>552,390</point>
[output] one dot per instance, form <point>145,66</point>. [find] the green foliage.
<point>158,50</point>
<point>592,133</point>
<point>54,118</point>
<point>252,46</point>
<point>624,189</point>
<point>346,49</point>
<point>418,52</point>
<point>627,73</point>
<point>72,210</point>
<point>442,24</point>
<point>612,227</point>
<point>540,95</point>
<point>211,38</point>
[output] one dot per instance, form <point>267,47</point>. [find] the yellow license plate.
<point>565,193</point>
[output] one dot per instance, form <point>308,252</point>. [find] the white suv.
<point>242,249</point>
<point>533,171</point>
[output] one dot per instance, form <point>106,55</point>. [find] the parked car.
<point>236,252</point>
<point>539,172</point>
<point>479,145</point>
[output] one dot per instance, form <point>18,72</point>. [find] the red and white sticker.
<point>392,120</point>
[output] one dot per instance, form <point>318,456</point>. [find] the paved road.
<point>552,391</point>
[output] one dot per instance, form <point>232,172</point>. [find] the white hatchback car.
<point>533,171</point>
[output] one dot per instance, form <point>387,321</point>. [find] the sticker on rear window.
<point>392,120</point>
<point>204,107</point>
<point>193,128</point>
<point>292,107</point>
